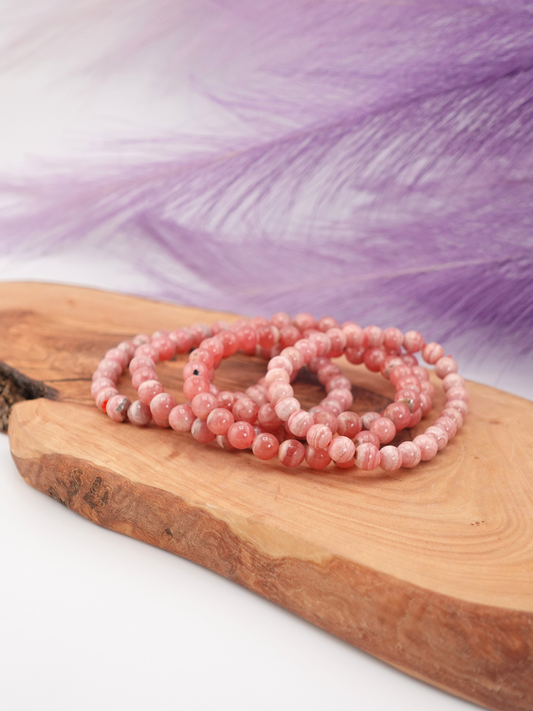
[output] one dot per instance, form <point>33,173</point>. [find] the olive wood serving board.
<point>429,569</point>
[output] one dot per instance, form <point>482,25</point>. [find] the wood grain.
<point>429,569</point>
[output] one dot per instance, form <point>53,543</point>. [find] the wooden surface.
<point>429,569</point>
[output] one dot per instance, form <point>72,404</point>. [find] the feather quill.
<point>379,166</point>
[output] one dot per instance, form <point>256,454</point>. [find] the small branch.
<point>15,387</point>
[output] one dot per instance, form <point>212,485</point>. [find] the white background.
<point>91,619</point>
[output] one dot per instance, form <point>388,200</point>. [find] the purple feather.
<point>382,171</point>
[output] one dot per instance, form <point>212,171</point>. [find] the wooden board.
<point>429,569</point>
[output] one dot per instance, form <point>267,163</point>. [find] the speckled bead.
<point>139,414</point>
<point>117,408</point>
<point>368,418</point>
<point>201,432</point>
<point>399,413</point>
<point>411,454</point>
<point>100,384</point>
<point>367,456</point>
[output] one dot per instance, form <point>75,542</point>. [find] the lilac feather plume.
<point>378,165</point>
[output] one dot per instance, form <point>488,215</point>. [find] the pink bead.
<point>427,445</point>
<point>257,394</point>
<point>399,413</point>
<point>426,404</point>
<point>346,465</point>
<point>285,407</point>
<point>148,390</point>
<point>399,372</point>
<point>332,406</point>
<point>267,336</point>
<point>220,420</point>
<point>141,375</point>
<point>317,458</point>
<point>100,384</point>
<point>439,434</point>
<point>182,339</point>
<point>324,417</point>
<point>241,435</point>
<point>368,418</point>
<point>366,437</point>
<point>374,336</point>
<point>279,391</point>
<point>325,323</point>
<point>304,321</point>
<point>421,373</point>
<point>199,332</point>
<point>147,350</point>
<point>197,368</point>
<point>411,454</point>
<point>413,341</point>
<point>319,436</point>
<point>202,404</point>
<point>202,355</point>
<point>321,342</point>
<point>349,424</point>
<point>140,339</point>
<point>214,390</point>
<point>160,334</point>
<point>201,432</point>
<point>119,355</point>
<point>291,453</point>
<point>410,382</point>
<point>307,349</point>
<point>454,415</point>
<point>139,414</point>
<point>161,406</point>
<point>409,398</point>
<point>388,365</point>
<point>267,417</point>
<point>409,359</point>
<point>459,405</point>
<point>277,374</point>
<point>226,398</point>
<point>181,417</point>
<point>355,337</point>
<point>374,359</point>
<point>224,443</point>
<point>280,362</point>
<point>128,348</point>
<point>444,366</point>
<point>367,456</point>
<point>390,458</point>
<point>432,352</point>
<point>384,429</point>
<point>452,380</point>
<point>194,385</point>
<point>327,372</point>
<point>337,340</point>
<point>341,450</point>
<point>338,382</point>
<point>265,446</point>
<point>280,320</point>
<point>447,424</point>
<point>141,362</point>
<point>103,372</point>
<point>246,409</point>
<point>355,355</point>
<point>428,388</point>
<point>295,357</point>
<point>230,342</point>
<point>219,326</point>
<point>288,336</point>
<point>342,396</point>
<point>392,339</point>
<point>415,418</point>
<point>165,347</point>
<point>457,393</point>
<point>117,408</point>
<point>299,423</point>
<point>103,397</point>
<point>215,347</point>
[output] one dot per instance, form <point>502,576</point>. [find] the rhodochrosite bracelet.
<point>267,418</point>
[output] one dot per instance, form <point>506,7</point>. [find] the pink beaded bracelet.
<point>332,432</point>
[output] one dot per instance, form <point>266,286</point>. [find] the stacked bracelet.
<point>267,417</point>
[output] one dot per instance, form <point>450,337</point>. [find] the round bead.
<point>319,436</point>
<point>246,409</point>
<point>432,352</point>
<point>160,408</point>
<point>202,404</point>
<point>220,420</point>
<point>392,339</point>
<point>117,408</point>
<point>147,350</point>
<point>230,342</point>
<point>373,336</point>
<point>413,341</point>
<point>366,437</point>
<point>331,405</point>
<point>447,424</point>
<point>241,435</point>
<point>194,385</point>
<point>398,372</point>
<point>100,384</point>
<point>279,391</point>
<point>349,424</point>
<point>384,429</point>
<point>299,423</point>
<point>294,355</point>
<point>119,355</point>
<point>317,458</point>
<point>337,341</point>
<point>201,432</point>
<point>265,446</point>
<point>181,417</point>
<point>280,320</point>
<point>409,398</point>
<point>452,380</point>
<point>457,393</point>
<point>355,355</point>
<point>439,434</point>
<point>165,347</point>
<point>182,339</point>
<point>148,390</point>
<point>342,396</point>
<point>202,355</point>
<point>355,337</point>
<point>374,359</point>
<point>285,407</point>
<point>415,418</point>
<point>411,454</point>
<point>399,413</point>
<point>325,323</point>
<point>288,336</point>
<point>258,394</point>
<point>454,415</point>
<point>267,417</point>
<point>226,398</point>
<point>291,453</point>
<point>368,418</point>
<point>139,414</point>
<point>321,343</point>
<point>459,405</point>
<point>341,450</point>
<point>104,372</point>
<point>141,375</point>
<point>196,368</point>
<point>444,366</point>
<point>427,445</point>
<point>280,362</point>
<point>276,375</point>
<point>103,397</point>
<point>390,458</point>
<point>367,456</point>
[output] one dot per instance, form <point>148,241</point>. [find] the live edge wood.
<point>430,569</point>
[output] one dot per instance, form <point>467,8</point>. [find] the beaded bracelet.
<point>379,350</point>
